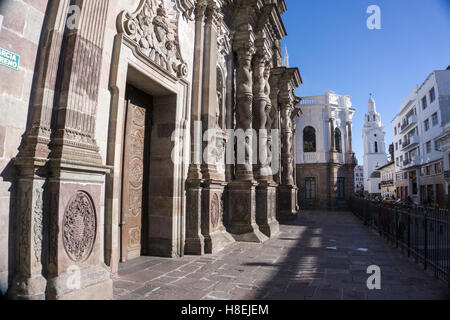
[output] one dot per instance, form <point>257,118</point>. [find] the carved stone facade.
<point>132,145</point>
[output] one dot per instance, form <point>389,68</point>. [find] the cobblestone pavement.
<point>321,256</point>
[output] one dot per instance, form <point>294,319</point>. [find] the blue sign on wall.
<point>9,59</point>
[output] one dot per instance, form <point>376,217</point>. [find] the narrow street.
<point>323,255</point>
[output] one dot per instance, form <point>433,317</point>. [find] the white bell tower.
<point>374,148</point>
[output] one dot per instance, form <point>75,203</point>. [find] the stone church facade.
<point>325,160</point>
<point>99,159</point>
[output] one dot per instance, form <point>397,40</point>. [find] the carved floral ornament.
<point>79,227</point>
<point>153,29</point>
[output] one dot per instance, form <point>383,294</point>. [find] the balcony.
<point>310,158</point>
<point>409,123</point>
<point>414,161</point>
<point>410,143</point>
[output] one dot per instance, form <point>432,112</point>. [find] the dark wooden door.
<point>341,188</point>
<point>135,173</point>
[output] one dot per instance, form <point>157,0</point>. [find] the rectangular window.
<point>310,188</point>
<point>396,146</point>
<point>435,119</point>
<point>428,147</point>
<point>432,95</point>
<point>426,125</point>
<point>437,145</point>
<point>424,103</point>
<point>395,130</point>
<point>438,168</point>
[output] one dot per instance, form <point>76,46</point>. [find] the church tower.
<point>374,148</point>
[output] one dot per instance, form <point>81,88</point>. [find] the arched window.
<point>374,118</point>
<point>368,118</point>
<point>338,140</point>
<point>376,147</point>
<point>309,139</point>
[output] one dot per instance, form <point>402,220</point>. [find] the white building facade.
<point>359,178</point>
<point>324,153</point>
<point>419,129</point>
<point>374,149</point>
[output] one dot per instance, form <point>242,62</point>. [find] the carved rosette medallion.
<point>153,30</point>
<point>79,227</point>
<point>136,173</point>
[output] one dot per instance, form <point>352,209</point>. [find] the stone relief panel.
<point>153,29</point>
<point>216,211</point>
<point>134,237</point>
<point>79,227</point>
<point>38,224</point>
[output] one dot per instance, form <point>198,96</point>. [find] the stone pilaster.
<point>31,245</point>
<point>242,191</point>
<point>77,174</point>
<point>214,233</point>
<point>195,242</point>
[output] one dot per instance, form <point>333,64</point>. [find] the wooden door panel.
<point>133,181</point>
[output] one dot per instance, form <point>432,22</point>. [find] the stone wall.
<point>20,32</point>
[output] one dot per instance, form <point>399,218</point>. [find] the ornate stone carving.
<point>153,29</point>
<point>24,228</point>
<point>134,239</point>
<point>136,173</point>
<point>79,227</point>
<point>38,220</point>
<point>216,211</point>
<point>135,203</point>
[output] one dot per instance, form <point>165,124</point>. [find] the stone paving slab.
<point>322,256</point>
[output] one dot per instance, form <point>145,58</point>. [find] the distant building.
<point>359,179</point>
<point>387,173</point>
<point>420,134</point>
<point>325,157</point>
<point>374,149</point>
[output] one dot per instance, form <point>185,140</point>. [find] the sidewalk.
<point>325,255</point>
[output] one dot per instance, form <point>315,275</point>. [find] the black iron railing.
<point>420,233</point>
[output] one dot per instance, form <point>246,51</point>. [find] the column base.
<point>242,212</point>
<point>288,203</point>
<point>89,284</point>
<point>266,210</point>
<point>217,241</point>
<point>28,288</point>
<point>195,246</point>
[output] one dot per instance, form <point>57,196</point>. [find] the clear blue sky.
<point>330,43</point>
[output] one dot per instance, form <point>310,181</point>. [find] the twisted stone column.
<point>288,190</point>
<point>242,191</point>
<point>262,123</point>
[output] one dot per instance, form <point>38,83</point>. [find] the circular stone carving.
<point>136,173</point>
<point>79,227</point>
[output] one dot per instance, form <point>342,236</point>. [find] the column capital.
<point>213,14</point>
<point>199,10</point>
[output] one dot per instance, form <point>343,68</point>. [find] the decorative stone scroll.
<point>79,227</point>
<point>153,29</point>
